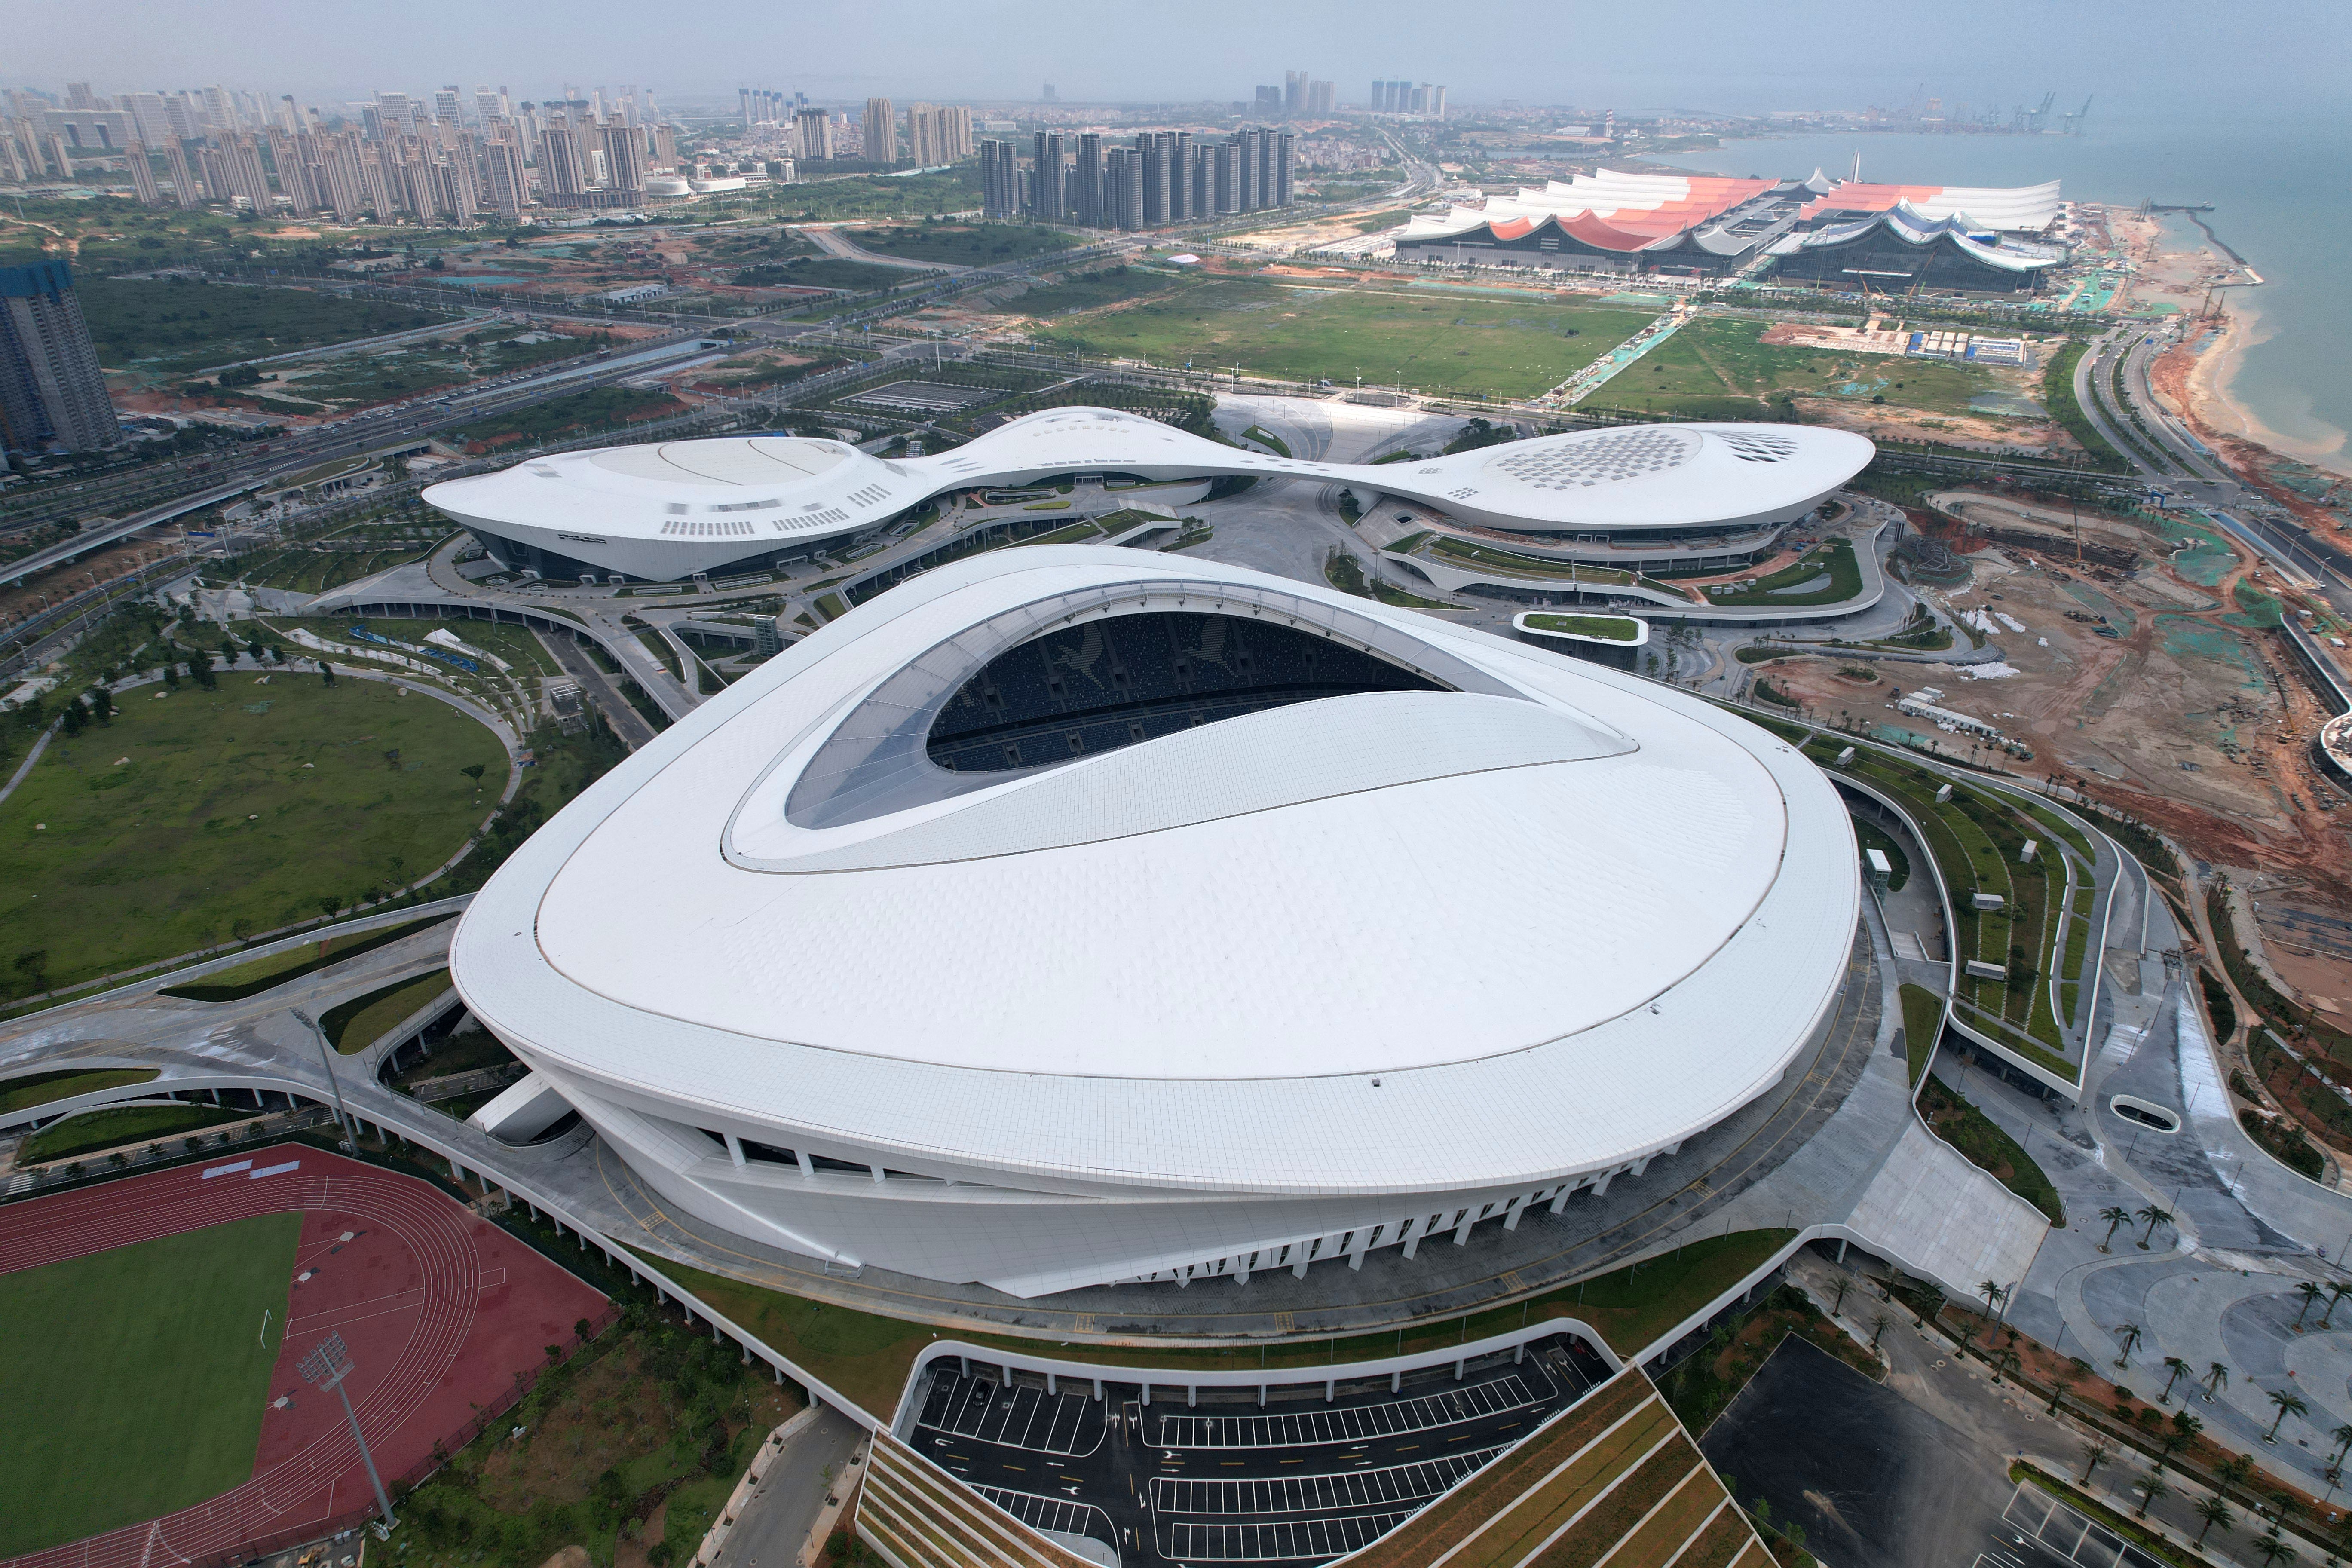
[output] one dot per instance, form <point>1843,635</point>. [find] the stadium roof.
<point>1508,918</point>
<point>733,496</point>
<point>1960,230</point>
<point>2013,209</point>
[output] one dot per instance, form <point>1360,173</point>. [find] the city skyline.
<point>1809,57</point>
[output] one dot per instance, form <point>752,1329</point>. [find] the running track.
<point>471,1307</point>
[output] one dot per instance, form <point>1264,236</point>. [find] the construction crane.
<point>2072,124</point>
<point>2040,118</point>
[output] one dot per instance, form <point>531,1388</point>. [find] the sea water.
<point>2280,197</point>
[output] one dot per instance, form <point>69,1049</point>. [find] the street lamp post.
<point>335,1085</point>
<point>327,1366</point>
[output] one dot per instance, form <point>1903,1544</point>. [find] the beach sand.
<point>2215,409</point>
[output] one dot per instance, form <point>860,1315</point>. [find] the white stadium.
<point>665,511</point>
<point>1075,916</point>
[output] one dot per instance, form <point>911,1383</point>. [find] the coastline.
<point>2216,412</point>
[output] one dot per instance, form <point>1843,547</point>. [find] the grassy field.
<point>354,1025</point>
<point>956,189</point>
<point>191,819</point>
<point>1990,1149</point>
<point>1092,291</point>
<point>115,1126</point>
<point>41,1088</point>
<point>964,245</point>
<point>575,414</point>
<point>100,1347</point>
<point>1609,628</point>
<point>1708,361</point>
<point>1833,559</point>
<point>181,326</point>
<point>1923,1023</point>
<point>822,272</point>
<point>251,979</point>
<point>1507,348</point>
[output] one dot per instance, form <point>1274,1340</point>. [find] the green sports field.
<point>1507,348</point>
<point>1706,362</point>
<point>137,1378</point>
<point>239,809</point>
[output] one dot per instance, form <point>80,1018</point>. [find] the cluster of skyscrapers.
<point>1408,97</point>
<point>935,133</point>
<point>1298,94</point>
<point>391,157</point>
<point>1162,177</point>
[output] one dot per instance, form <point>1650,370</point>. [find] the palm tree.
<point>2174,1366</point>
<point>1991,1291</point>
<point>2336,1294</point>
<point>2233,1472</point>
<point>2185,1429</point>
<point>2213,1511</point>
<point>2150,1487</point>
<point>2342,1436</point>
<point>2127,1336</point>
<point>2093,1451</point>
<point>2154,1216</point>
<point>2275,1549</point>
<point>2216,1379</point>
<point>2288,1405</point>
<point>2311,1293</point>
<point>1879,1324</point>
<point>2116,1216</point>
<point>2061,1381</point>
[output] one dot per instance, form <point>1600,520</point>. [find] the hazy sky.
<point>2147,58</point>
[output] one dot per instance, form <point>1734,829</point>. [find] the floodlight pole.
<point>328,1366</point>
<point>335,1085</point>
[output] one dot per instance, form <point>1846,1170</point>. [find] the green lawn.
<point>964,245</point>
<point>956,189</point>
<point>234,985</point>
<point>1507,348</point>
<point>243,808</point>
<point>1834,560</point>
<point>576,415</point>
<point>172,327</point>
<point>1990,1149</point>
<point>137,1378</point>
<point>41,1088</point>
<point>1711,359</point>
<point>355,1024</point>
<point>1608,629</point>
<point>822,272</point>
<point>866,1356</point>
<point>1090,290</point>
<point>1923,1023</point>
<point>115,1126</point>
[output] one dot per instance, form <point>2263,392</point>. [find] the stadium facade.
<point>664,511</point>
<point>1058,919</point>
<point>1812,231</point>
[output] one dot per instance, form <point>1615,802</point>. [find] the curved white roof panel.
<point>667,508</point>
<point>1427,911</point>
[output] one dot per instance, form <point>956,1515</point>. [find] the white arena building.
<point>664,511</point>
<point>1073,916</point>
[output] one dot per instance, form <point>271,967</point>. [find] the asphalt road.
<point>777,1516</point>
<point>626,721</point>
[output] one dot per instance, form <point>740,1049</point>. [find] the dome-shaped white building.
<point>1070,916</point>
<point>664,511</point>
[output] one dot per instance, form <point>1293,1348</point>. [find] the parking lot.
<point>1301,1480</point>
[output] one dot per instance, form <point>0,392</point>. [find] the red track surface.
<point>441,1310</point>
